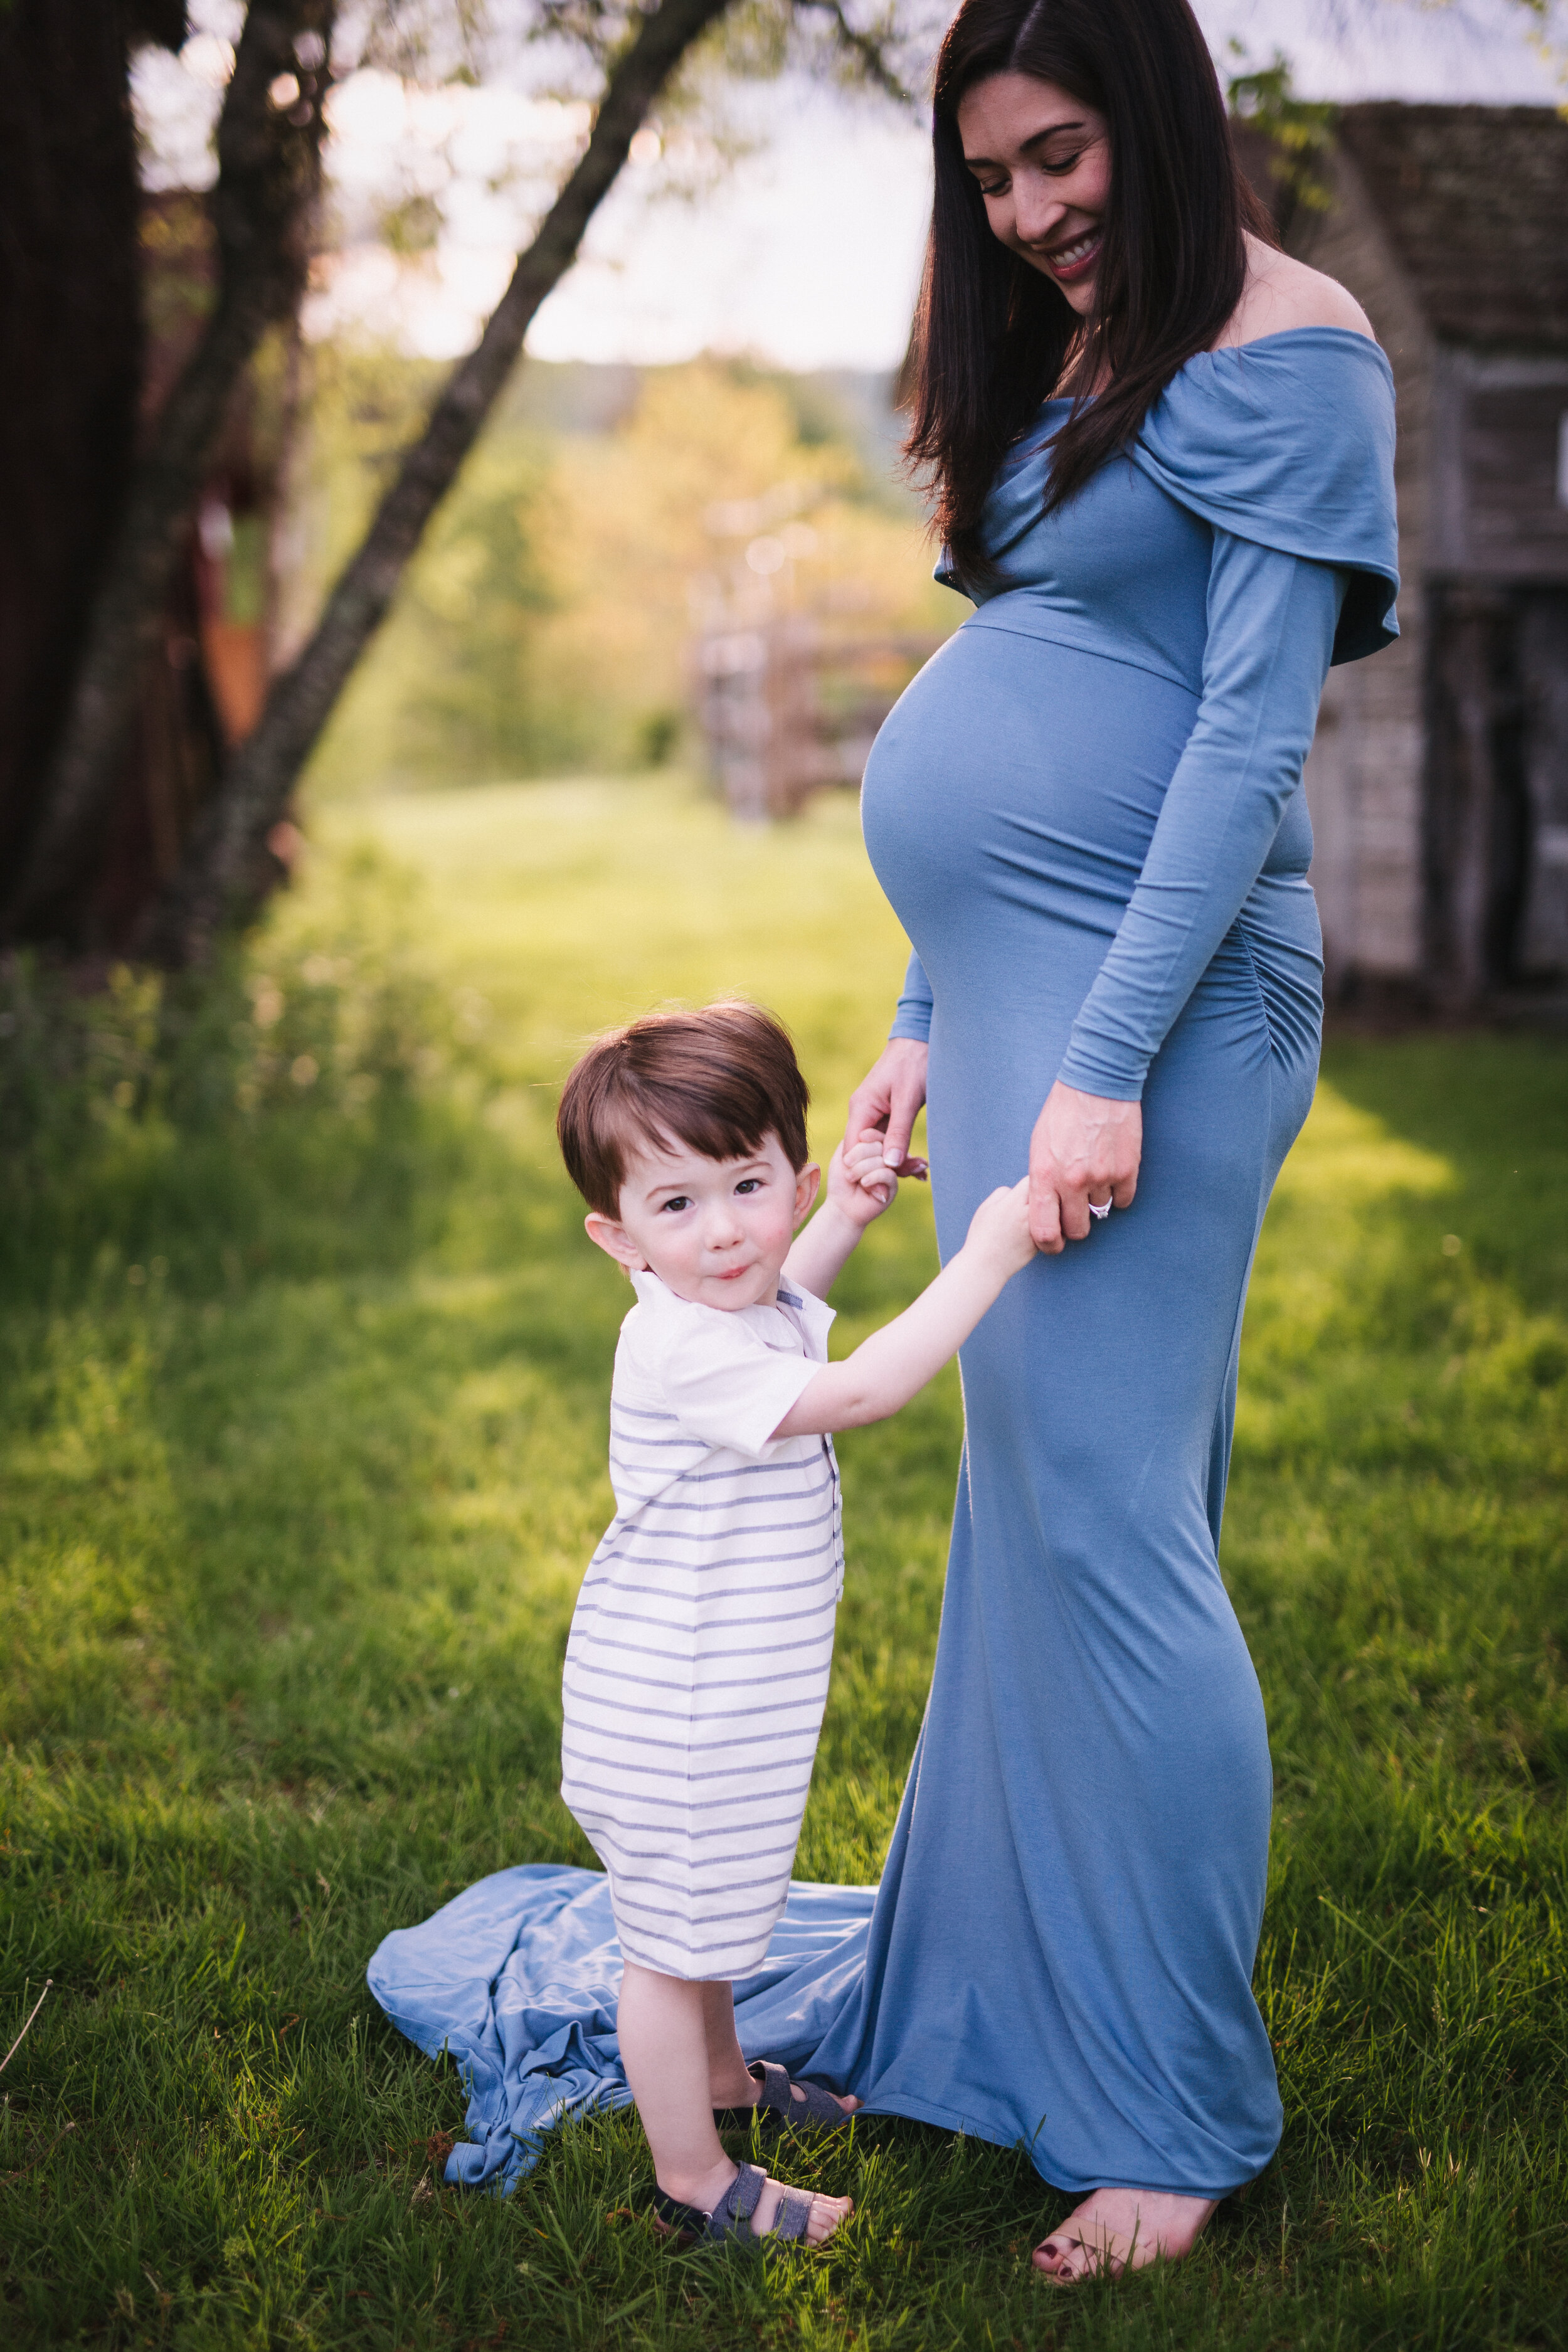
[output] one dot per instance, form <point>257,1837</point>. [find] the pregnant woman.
<point>1162,454</point>
<point>1164,460</point>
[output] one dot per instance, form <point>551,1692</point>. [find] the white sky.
<point>805,252</point>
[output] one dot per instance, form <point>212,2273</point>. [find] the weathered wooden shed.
<point>1438,781</point>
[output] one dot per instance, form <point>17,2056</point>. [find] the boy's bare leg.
<point>729,2084</point>
<point>665,2049</point>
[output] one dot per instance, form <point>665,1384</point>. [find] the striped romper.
<point>697,1665</point>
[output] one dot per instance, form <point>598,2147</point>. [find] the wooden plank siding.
<point>1497,456</point>
<point>1365,770</point>
<point>1438,778</point>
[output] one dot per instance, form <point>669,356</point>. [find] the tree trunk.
<point>269,173</point>
<point>70,328</point>
<point>218,883</point>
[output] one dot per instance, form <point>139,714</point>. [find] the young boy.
<point>696,1667</point>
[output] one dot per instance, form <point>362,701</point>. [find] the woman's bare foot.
<point>705,2193</point>
<point>1118,2229</point>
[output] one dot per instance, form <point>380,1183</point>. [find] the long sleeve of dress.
<point>912,1018</point>
<point>1271,621</point>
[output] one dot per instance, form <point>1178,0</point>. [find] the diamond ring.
<point>1099,1211</point>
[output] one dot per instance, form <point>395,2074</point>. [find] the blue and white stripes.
<point>698,1664</point>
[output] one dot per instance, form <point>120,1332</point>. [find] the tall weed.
<point>268,1113</point>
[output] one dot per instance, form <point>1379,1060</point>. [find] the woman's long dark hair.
<point>992,335</point>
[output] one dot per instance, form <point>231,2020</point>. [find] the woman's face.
<point>1042,161</point>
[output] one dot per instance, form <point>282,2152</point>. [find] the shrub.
<point>269,1111</point>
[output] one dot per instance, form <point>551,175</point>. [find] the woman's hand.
<point>887,1103</point>
<point>1084,1148</point>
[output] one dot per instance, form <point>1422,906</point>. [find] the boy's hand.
<point>860,1183</point>
<point>999,1229</point>
<point>860,1186</point>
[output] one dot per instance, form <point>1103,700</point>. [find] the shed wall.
<point>1499,451</point>
<point>1365,770</point>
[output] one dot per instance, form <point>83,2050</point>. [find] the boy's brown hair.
<point>718,1080</point>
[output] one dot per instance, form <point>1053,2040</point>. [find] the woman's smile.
<point>1074,261</point>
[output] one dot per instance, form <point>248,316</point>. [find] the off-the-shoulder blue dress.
<point>1087,812</point>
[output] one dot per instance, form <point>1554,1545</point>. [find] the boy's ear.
<point>806,1190</point>
<point>615,1241</point>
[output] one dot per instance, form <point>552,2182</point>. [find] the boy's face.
<point>714,1231</point>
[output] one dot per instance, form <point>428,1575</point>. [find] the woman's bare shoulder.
<point>1282,294</point>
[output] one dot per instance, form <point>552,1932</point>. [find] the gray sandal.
<point>731,2217</point>
<point>778,2106</point>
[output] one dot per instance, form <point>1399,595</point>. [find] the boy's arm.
<point>822,1249</point>
<point>820,1252</point>
<point>890,1367</point>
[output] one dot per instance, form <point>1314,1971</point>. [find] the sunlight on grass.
<point>303,1424</point>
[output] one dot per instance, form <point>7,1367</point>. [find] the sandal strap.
<point>777,2105</point>
<point>741,2117</point>
<point>731,2218</point>
<point>820,2106</point>
<point>769,2109</point>
<point>779,2087</point>
<point>794,2215</point>
<point>742,2197</point>
<point>774,2080</point>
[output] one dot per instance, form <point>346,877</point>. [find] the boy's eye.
<point>750,1184</point>
<point>680,1201</point>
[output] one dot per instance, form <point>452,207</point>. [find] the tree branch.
<point>222,857</point>
<point>269,173</point>
<point>866,50</point>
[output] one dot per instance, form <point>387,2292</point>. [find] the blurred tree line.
<point>543,626</point>
<point>132,818</point>
<point>143,800</point>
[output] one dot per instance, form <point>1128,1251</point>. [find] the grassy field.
<point>302,1409</point>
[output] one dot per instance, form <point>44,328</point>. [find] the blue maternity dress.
<point>1087,812</point>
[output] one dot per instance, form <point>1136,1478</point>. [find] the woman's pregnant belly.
<point>1008,805</point>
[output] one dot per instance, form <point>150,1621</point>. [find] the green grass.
<point>291,1532</point>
